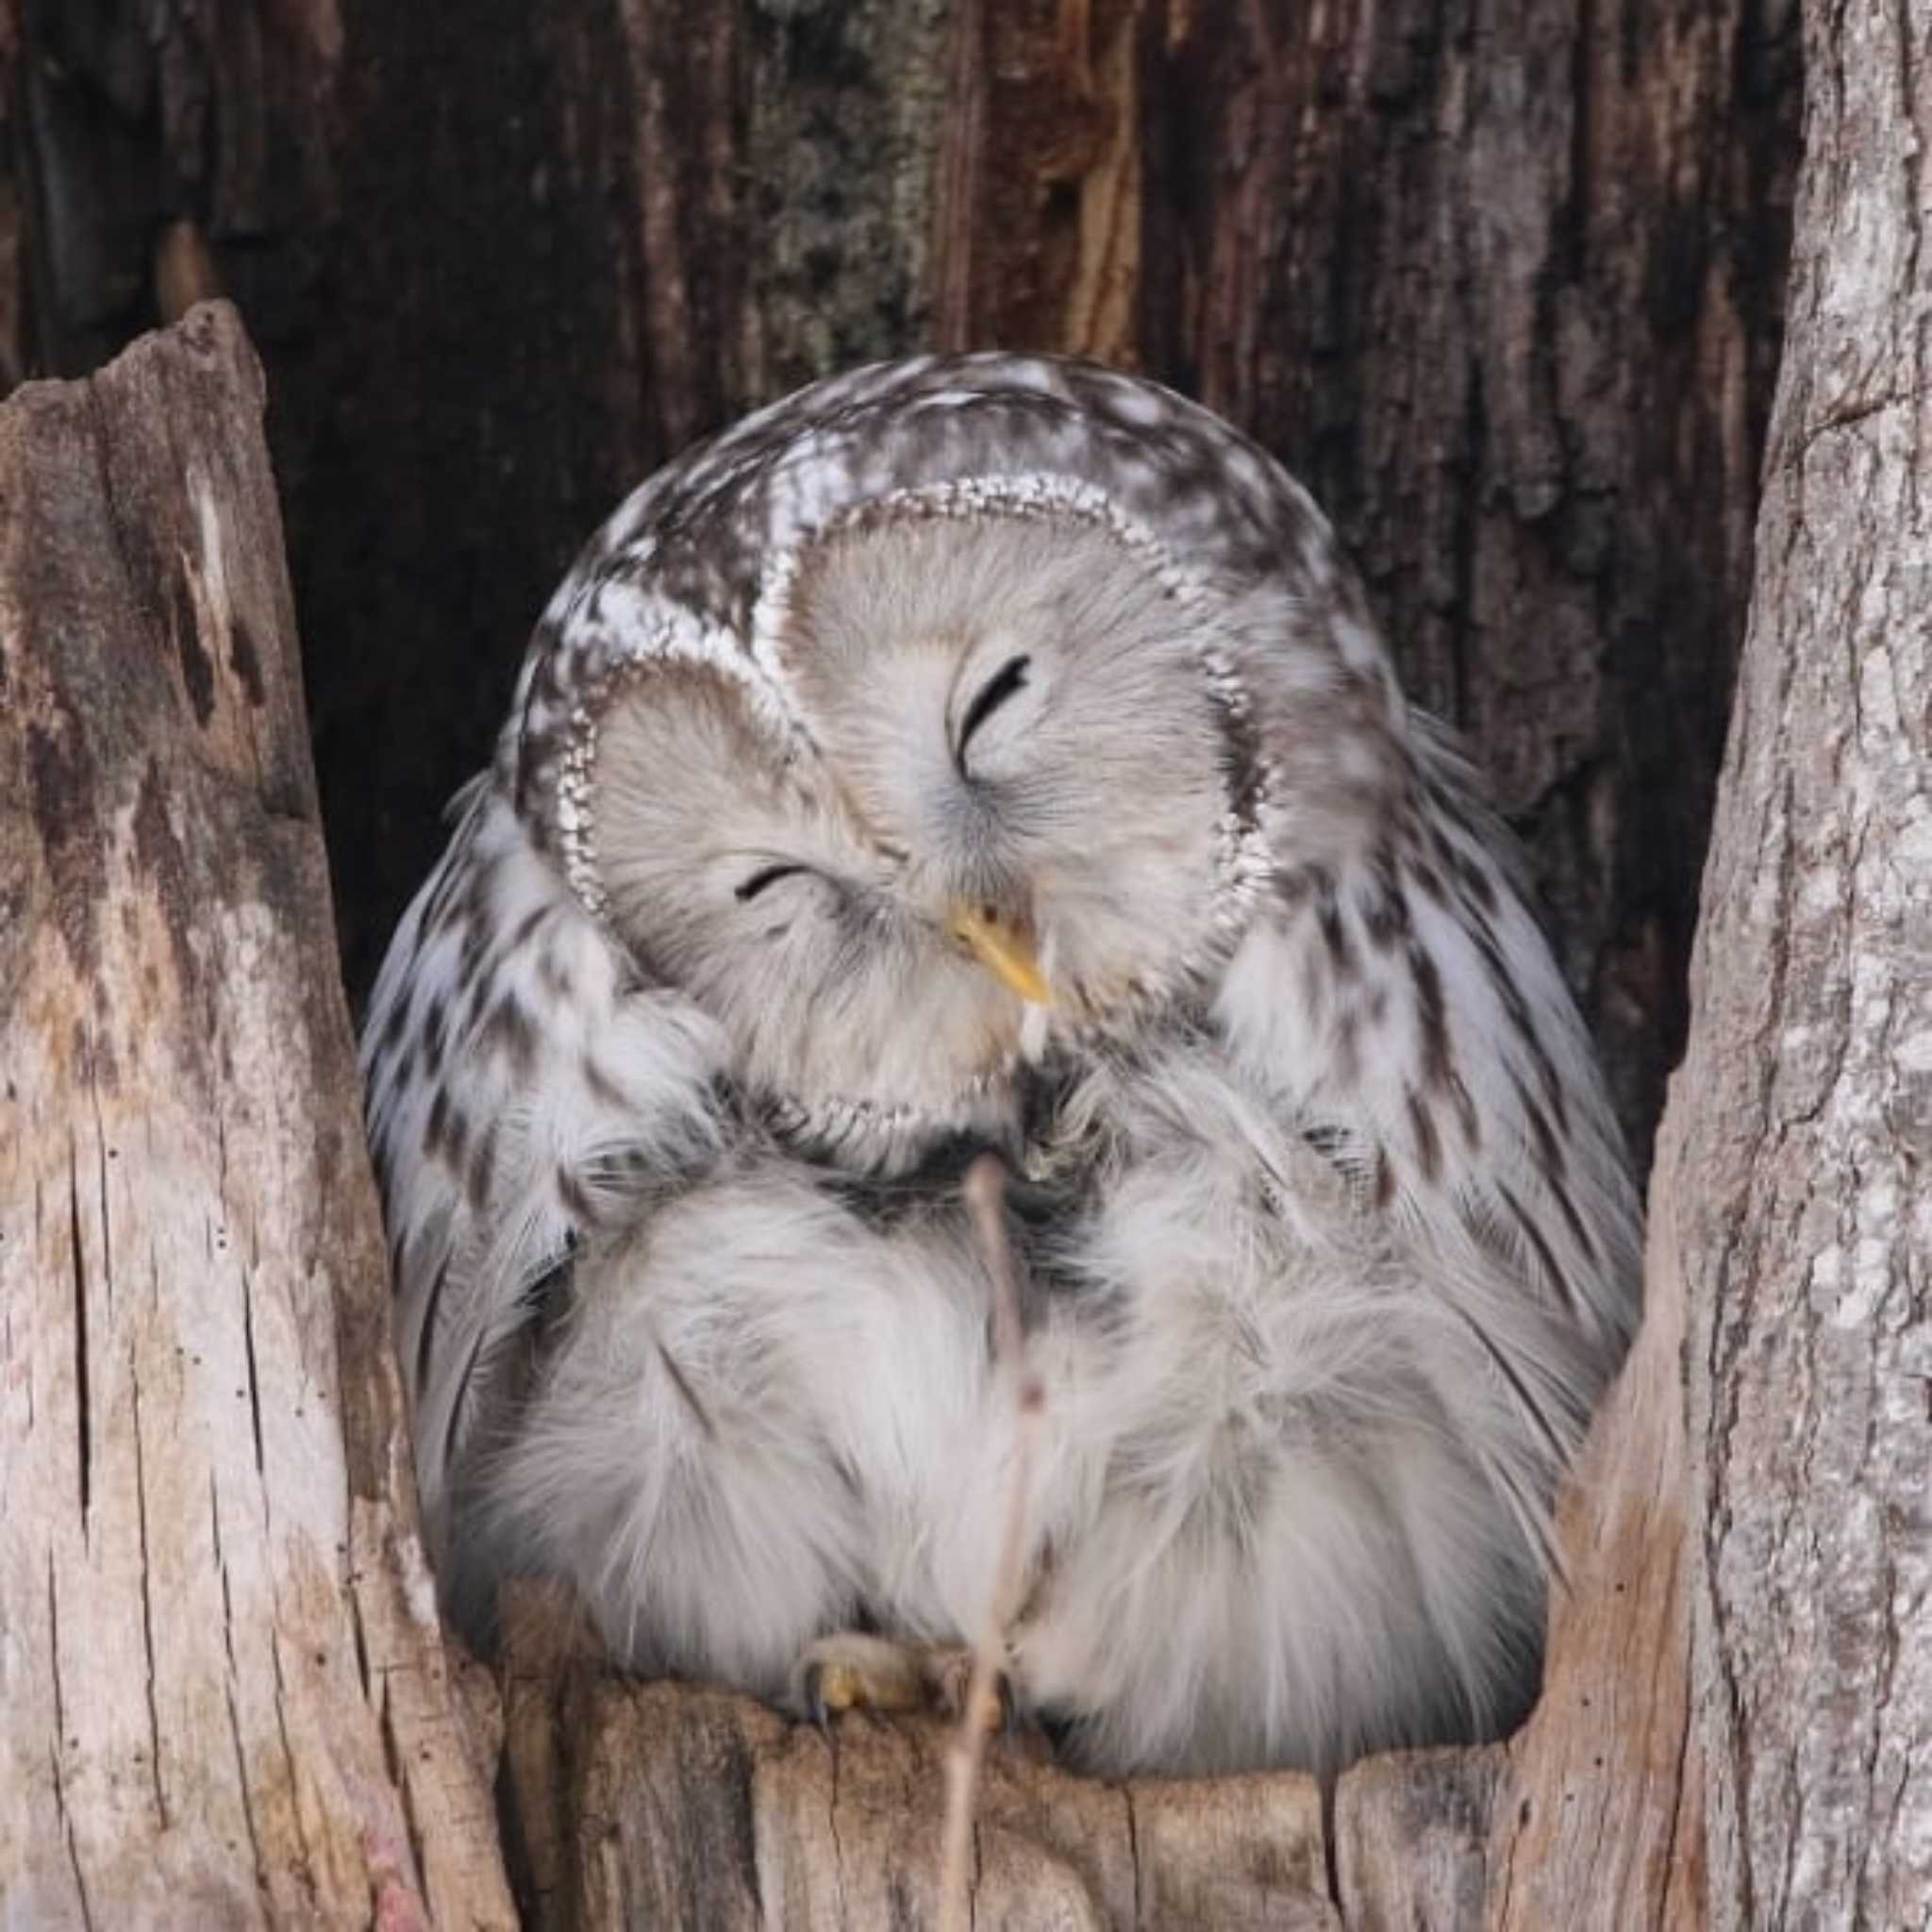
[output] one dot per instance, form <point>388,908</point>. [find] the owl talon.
<point>850,1671</point>
<point>951,1673</point>
<point>811,1696</point>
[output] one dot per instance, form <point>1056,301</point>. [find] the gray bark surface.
<point>662,1805</point>
<point>226,1695</point>
<point>1802,1180</point>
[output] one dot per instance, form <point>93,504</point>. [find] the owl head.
<point>978,799</point>
<point>892,730</point>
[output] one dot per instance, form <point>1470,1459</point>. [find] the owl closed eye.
<point>1003,782</point>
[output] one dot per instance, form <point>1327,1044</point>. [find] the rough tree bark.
<point>1499,278</point>
<point>225,1691</point>
<point>1807,1227</point>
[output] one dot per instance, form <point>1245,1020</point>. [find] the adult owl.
<point>994,752</point>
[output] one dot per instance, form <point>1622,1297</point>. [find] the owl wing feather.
<point>1397,999</point>
<point>519,1080</point>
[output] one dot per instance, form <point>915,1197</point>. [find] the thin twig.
<point>986,1188</point>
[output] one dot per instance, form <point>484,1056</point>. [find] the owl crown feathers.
<point>698,564</point>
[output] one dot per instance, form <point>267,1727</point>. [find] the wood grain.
<point>224,1684</point>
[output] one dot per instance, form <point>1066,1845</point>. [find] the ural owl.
<point>995,752</point>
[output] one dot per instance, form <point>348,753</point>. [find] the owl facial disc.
<point>971,790</point>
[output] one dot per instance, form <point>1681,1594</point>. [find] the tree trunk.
<point>1806,1215</point>
<point>226,1694</point>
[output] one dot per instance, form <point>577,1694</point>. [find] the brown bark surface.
<point>663,1805</point>
<point>1499,278</point>
<point>226,1695</point>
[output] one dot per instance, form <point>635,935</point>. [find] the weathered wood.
<point>673,1806</point>
<point>1411,1840</point>
<point>226,1695</point>
<point>1598,1819</point>
<point>1802,1182</point>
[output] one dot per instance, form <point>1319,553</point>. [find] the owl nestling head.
<point>978,795</point>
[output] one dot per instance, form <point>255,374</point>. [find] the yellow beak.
<point>1003,950</point>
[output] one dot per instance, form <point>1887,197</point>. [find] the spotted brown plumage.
<point>919,693</point>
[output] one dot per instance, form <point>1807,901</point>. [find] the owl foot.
<point>881,1675</point>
